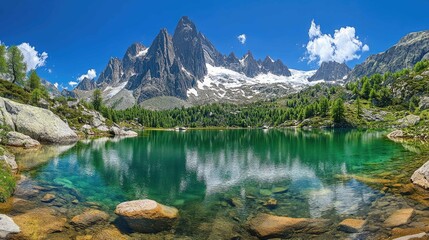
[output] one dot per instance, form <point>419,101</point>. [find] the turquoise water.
<point>201,172</point>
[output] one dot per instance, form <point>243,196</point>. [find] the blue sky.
<point>82,35</point>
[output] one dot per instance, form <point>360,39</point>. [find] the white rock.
<point>7,226</point>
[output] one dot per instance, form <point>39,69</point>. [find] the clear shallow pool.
<point>206,173</point>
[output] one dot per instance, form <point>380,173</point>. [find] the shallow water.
<point>206,173</point>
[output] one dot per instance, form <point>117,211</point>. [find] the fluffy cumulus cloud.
<point>32,57</point>
<point>242,38</point>
<point>342,47</point>
<point>91,74</point>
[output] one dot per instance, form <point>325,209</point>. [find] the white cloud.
<point>56,85</point>
<point>91,74</point>
<point>49,70</point>
<point>342,47</point>
<point>73,83</point>
<point>242,38</point>
<point>32,57</point>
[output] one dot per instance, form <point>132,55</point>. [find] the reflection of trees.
<point>174,165</point>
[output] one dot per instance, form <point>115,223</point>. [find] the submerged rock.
<point>38,123</point>
<point>399,217</point>
<point>39,223</point>
<point>396,134</point>
<point>7,226</point>
<point>16,139</point>
<point>110,234</point>
<point>421,176</point>
<point>147,215</point>
<point>271,226</point>
<point>89,217</point>
<point>351,225</point>
<point>48,198</point>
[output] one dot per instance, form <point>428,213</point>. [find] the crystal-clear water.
<point>204,172</point>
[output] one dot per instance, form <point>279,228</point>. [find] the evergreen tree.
<point>358,107</point>
<point>97,100</point>
<point>324,106</point>
<point>337,111</point>
<point>36,95</point>
<point>16,65</point>
<point>34,81</point>
<point>3,63</point>
<point>366,88</point>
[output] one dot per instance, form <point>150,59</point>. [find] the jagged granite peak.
<point>52,89</point>
<point>162,73</point>
<point>86,85</point>
<point>232,62</point>
<point>250,66</point>
<point>133,56</point>
<point>331,71</point>
<point>211,55</point>
<point>189,49</point>
<point>112,74</point>
<point>410,49</point>
<point>275,67</point>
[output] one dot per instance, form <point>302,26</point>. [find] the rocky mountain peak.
<point>189,49</point>
<point>211,55</point>
<point>275,67</point>
<point>86,85</point>
<point>112,74</point>
<point>331,71</point>
<point>410,49</point>
<point>133,59</point>
<point>250,66</point>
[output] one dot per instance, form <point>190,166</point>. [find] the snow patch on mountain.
<point>112,91</point>
<point>142,53</point>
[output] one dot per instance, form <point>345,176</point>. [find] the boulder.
<point>147,215</point>
<point>424,103</point>
<point>351,225</point>
<point>122,132</point>
<point>89,217</point>
<point>271,226</point>
<point>7,226</point>
<point>38,123</point>
<point>421,176</point>
<point>396,134</point>
<point>399,218</point>
<point>16,139</point>
<point>39,223</point>
<point>111,233</point>
<point>103,128</point>
<point>48,198</point>
<point>97,119</point>
<point>9,159</point>
<point>409,120</point>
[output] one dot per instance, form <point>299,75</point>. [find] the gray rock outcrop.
<point>411,49</point>
<point>7,226</point>
<point>424,103</point>
<point>331,71</point>
<point>40,124</point>
<point>421,176</point>
<point>86,85</point>
<point>16,139</point>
